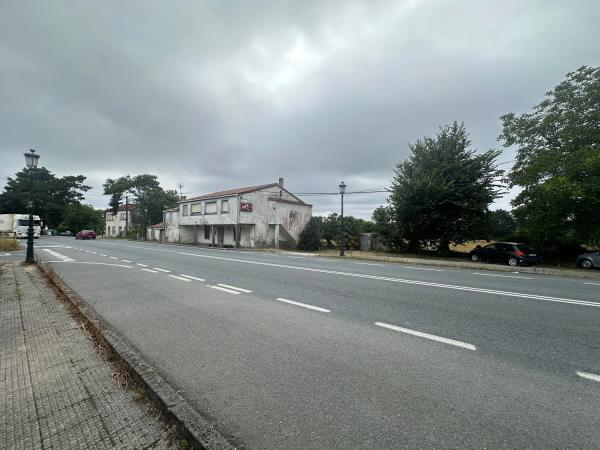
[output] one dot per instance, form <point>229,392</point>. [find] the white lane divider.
<point>101,254</point>
<point>219,288</point>
<point>161,270</point>
<point>427,336</point>
<point>58,255</point>
<point>295,257</point>
<point>246,291</point>
<point>367,264</point>
<point>423,268</point>
<point>589,376</point>
<point>304,305</point>
<point>95,253</point>
<point>142,265</point>
<point>501,276</point>
<point>191,277</point>
<point>593,284</point>
<point>150,270</point>
<point>113,257</point>
<point>179,278</point>
<point>126,260</point>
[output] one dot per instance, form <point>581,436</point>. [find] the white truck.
<point>16,225</point>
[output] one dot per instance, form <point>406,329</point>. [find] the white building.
<point>115,223</point>
<point>257,216</point>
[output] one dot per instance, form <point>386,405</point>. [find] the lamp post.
<point>342,244</point>
<point>31,161</point>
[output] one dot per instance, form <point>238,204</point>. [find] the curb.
<point>191,425</point>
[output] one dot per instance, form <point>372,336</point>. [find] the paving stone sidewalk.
<point>55,390</point>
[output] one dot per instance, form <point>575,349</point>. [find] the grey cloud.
<point>223,94</point>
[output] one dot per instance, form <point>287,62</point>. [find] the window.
<point>196,208</point>
<point>211,207</point>
<point>184,211</point>
<point>122,216</point>
<point>108,231</point>
<point>110,217</point>
<point>206,232</point>
<point>224,206</point>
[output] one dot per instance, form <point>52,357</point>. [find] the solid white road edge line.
<point>228,286</point>
<point>501,276</point>
<point>393,280</point>
<point>593,284</point>
<point>589,376</point>
<point>178,278</point>
<point>423,268</point>
<point>427,336</point>
<point>161,270</point>
<point>150,270</point>
<point>89,262</point>
<point>191,277</point>
<point>219,288</point>
<point>367,264</point>
<point>304,305</point>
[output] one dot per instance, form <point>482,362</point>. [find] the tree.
<point>52,194</point>
<point>557,164</point>
<point>386,229</point>
<point>310,238</point>
<point>331,230</point>
<point>501,225</point>
<point>150,197</point>
<point>82,217</point>
<point>441,193</point>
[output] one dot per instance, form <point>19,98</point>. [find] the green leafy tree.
<point>441,193</point>
<point>151,199</point>
<point>82,217</point>
<point>310,238</point>
<point>501,225</point>
<point>331,230</point>
<point>386,229</point>
<point>557,164</point>
<point>52,194</point>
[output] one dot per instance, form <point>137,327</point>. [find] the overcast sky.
<point>223,94</point>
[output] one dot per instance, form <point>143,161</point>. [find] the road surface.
<point>294,351</point>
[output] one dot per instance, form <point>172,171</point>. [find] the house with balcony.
<point>266,215</point>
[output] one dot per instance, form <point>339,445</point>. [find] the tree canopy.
<point>147,194</point>
<point>557,163</point>
<point>52,194</point>
<point>441,193</point>
<point>82,217</point>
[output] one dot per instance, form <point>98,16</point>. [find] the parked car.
<point>589,260</point>
<point>65,233</point>
<point>511,253</point>
<point>86,234</point>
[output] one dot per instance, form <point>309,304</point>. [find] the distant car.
<point>86,234</point>
<point>65,233</point>
<point>511,253</point>
<point>589,260</point>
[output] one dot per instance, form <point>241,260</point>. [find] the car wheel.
<point>586,263</point>
<point>512,261</point>
<point>475,258</point>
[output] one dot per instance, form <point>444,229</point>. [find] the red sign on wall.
<point>246,206</point>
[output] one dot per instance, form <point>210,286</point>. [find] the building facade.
<point>115,224</point>
<point>256,216</point>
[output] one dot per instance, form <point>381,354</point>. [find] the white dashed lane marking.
<point>246,291</point>
<point>150,270</point>
<point>501,276</point>
<point>304,305</point>
<point>219,288</point>
<point>126,260</point>
<point>191,277</point>
<point>161,270</point>
<point>142,265</point>
<point>179,278</point>
<point>427,336</point>
<point>589,376</point>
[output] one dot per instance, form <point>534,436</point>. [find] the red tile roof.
<point>230,192</point>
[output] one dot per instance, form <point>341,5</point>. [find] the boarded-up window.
<point>197,208</point>
<point>211,207</point>
<point>206,232</point>
<point>224,206</point>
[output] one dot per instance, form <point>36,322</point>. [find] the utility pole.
<point>342,243</point>
<point>180,193</point>
<point>126,215</point>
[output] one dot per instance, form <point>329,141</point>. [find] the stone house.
<point>115,224</point>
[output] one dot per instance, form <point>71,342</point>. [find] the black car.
<point>589,260</point>
<point>511,253</point>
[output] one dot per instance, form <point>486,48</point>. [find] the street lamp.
<point>342,191</point>
<point>31,161</point>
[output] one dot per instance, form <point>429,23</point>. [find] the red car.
<point>86,234</point>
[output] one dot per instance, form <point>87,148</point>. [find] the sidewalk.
<point>55,390</point>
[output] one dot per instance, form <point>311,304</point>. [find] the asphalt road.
<point>292,351</point>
